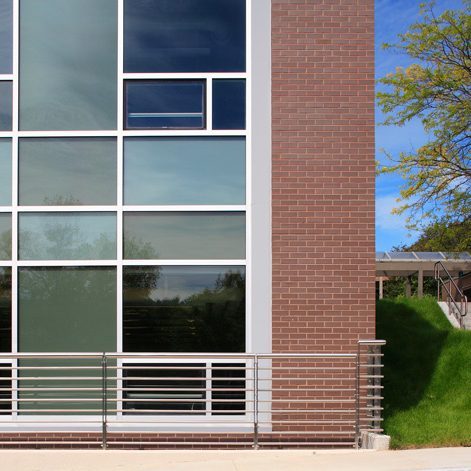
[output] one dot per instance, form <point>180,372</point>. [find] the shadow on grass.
<point>410,356</point>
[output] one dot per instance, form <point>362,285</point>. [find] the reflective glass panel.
<point>5,309</point>
<point>184,170</point>
<point>5,172</point>
<point>5,236</point>
<point>69,171</point>
<point>67,236</point>
<point>6,36</point>
<point>68,64</point>
<point>165,104</point>
<point>228,104</point>
<point>184,36</point>
<point>184,309</point>
<point>184,235</point>
<point>5,106</point>
<point>67,309</point>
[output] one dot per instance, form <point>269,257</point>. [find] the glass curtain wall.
<point>123,157</point>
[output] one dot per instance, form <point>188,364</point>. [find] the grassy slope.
<point>427,367</point>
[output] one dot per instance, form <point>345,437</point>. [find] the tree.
<point>436,89</point>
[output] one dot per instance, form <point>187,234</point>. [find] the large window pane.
<point>67,236</point>
<point>67,309</point>
<point>165,104</point>
<point>68,68</point>
<point>6,36</point>
<point>184,309</point>
<point>5,106</point>
<point>5,309</point>
<point>229,104</point>
<point>184,170</point>
<point>70,171</point>
<point>184,235</point>
<point>5,172</point>
<point>5,236</point>
<point>184,36</point>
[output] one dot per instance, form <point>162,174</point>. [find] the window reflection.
<point>184,36</point>
<point>67,236</point>
<point>70,171</point>
<point>6,36</point>
<point>184,309</point>
<point>184,170</point>
<point>5,236</point>
<point>5,309</point>
<point>5,105</point>
<point>5,172</point>
<point>229,104</point>
<point>165,104</point>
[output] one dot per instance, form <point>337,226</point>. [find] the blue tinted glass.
<point>5,172</point>
<point>5,106</point>
<point>229,104</point>
<point>165,104</point>
<point>184,36</point>
<point>6,36</point>
<point>184,170</point>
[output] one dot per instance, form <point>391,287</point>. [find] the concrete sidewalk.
<point>437,459</point>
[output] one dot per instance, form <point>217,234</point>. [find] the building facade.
<point>183,177</point>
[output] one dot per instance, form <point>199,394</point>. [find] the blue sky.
<point>393,17</point>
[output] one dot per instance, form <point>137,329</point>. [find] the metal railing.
<point>170,400</point>
<point>457,301</point>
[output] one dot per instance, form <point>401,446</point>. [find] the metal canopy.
<point>409,263</point>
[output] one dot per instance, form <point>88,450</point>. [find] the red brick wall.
<point>323,174</point>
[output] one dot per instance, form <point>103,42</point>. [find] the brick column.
<point>323,174</point>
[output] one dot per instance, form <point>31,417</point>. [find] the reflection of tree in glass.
<point>5,245</point>
<point>137,249</point>
<point>65,241</point>
<point>212,320</point>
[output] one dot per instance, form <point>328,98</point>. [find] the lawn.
<point>427,368</point>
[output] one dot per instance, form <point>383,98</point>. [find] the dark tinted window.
<point>5,383</point>
<point>229,104</point>
<point>5,309</point>
<point>165,104</point>
<point>165,388</point>
<point>184,36</point>
<point>228,388</point>
<point>184,309</point>
<point>5,106</point>
<point>6,36</point>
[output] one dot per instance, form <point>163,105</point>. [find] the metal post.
<point>357,399</point>
<point>381,288</point>
<point>255,404</point>
<point>104,401</point>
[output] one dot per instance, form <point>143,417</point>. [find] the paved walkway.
<point>438,459</point>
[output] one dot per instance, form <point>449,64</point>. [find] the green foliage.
<point>436,89</point>
<point>427,378</point>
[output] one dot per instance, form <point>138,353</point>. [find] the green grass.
<point>427,368</point>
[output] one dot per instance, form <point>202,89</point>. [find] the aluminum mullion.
<point>183,75</point>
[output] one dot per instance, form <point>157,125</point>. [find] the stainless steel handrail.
<point>459,311</point>
<point>265,399</point>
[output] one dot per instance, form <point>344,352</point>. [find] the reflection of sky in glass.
<point>5,172</point>
<point>5,236</point>
<point>184,36</point>
<point>5,105</point>
<point>67,171</point>
<point>67,236</point>
<point>178,236</point>
<point>68,64</point>
<point>6,36</point>
<point>185,170</point>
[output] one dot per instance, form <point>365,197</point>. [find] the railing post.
<point>255,403</point>
<point>357,398</point>
<point>104,402</point>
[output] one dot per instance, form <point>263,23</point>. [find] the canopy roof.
<point>408,263</point>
